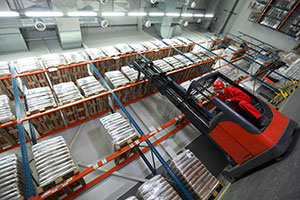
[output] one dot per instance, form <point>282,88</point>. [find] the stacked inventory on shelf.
<point>12,181</point>
<point>79,71</point>
<point>134,76</point>
<point>6,86</point>
<point>118,133</point>
<point>164,66</point>
<point>39,100</point>
<point>68,93</point>
<point>194,175</point>
<point>90,87</point>
<point>230,73</point>
<point>157,188</point>
<point>53,163</point>
<point>173,62</point>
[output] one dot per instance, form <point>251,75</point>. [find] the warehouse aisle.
<point>278,181</point>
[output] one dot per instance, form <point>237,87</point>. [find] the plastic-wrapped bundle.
<point>28,65</point>
<point>290,58</point>
<point>194,175</point>
<point>287,4</point>
<point>157,188</point>
<point>159,44</point>
<point>116,130</point>
<point>165,67</point>
<point>173,62</point>
<point>281,70</point>
<point>228,52</point>
<point>116,79</point>
<point>277,13</point>
<point>89,85</point>
<point>123,48</point>
<point>38,98</point>
<point>294,70</point>
<point>5,111</point>
<point>4,68</point>
<point>271,22</point>
<point>257,9</point>
<point>183,59</point>
<point>95,53</point>
<point>111,51</point>
<point>53,60</point>
<point>74,57</point>
<point>149,45</point>
<point>193,57</point>
<point>177,41</point>
<point>184,40</point>
<point>131,198</point>
<point>138,47</point>
<point>230,73</point>
<point>131,73</point>
<point>255,66</point>
<point>52,160</point>
<point>12,181</point>
<point>66,91</point>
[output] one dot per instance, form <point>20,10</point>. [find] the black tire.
<point>228,176</point>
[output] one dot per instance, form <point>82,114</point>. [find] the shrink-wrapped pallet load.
<point>12,180</point>
<point>90,86</point>
<point>138,47</point>
<point>183,59</point>
<point>67,92</point>
<point>173,62</point>
<point>131,198</point>
<point>123,48</point>
<point>79,69</point>
<point>5,110</point>
<point>74,57</point>
<point>227,71</point>
<point>28,65</point>
<point>118,133</point>
<point>111,51</point>
<point>53,60</point>
<point>6,86</point>
<point>157,188</point>
<point>95,53</point>
<point>194,175</point>
<point>53,162</point>
<point>164,66</point>
<point>154,54</point>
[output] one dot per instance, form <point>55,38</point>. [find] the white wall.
<point>240,22</point>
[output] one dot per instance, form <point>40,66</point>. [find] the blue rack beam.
<point>266,84</point>
<point>156,153</point>
<point>257,39</point>
<point>27,173</point>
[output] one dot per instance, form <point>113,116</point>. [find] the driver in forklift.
<point>240,101</point>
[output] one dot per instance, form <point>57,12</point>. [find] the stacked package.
<point>138,47</point>
<point>131,198</point>
<point>294,70</point>
<point>183,59</point>
<point>12,182</point>
<point>116,130</point>
<point>254,68</point>
<point>132,74</point>
<point>67,91</point>
<point>5,112</point>
<point>186,86</point>
<point>4,69</point>
<point>157,188</point>
<point>257,9</point>
<point>173,62</point>
<point>74,57</point>
<point>38,98</point>
<point>165,67</point>
<point>28,65</point>
<point>230,73</point>
<point>195,58</point>
<point>149,45</point>
<point>194,175</point>
<point>177,41</point>
<point>184,40</point>
<point>170,42</point>
<point>95,53</point>
<point>89,85</point>
<point>53,60</point>
<point>116,79</point>
<point>159,44</point>
<point>52,160</point>
<point>110,51</point>
<point>123,48</point>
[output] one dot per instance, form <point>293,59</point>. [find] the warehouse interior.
<point>118,99</point>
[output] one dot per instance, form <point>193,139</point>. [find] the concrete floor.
<point>278,181</point>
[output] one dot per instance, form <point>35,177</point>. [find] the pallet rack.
<point>20,120</point>
<point>271,4</point>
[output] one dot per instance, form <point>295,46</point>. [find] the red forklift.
<point>246,145</point>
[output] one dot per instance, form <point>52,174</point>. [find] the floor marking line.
<point>224,191</point>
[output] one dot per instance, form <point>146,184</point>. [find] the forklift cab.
<point>248,145</point>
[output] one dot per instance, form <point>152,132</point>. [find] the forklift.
<point>245,145</point>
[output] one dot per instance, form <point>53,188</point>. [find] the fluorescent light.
<point>44,14</point>
<point>110,14</point>
<point>8,14</point>
<point>172,14</point>
<point>209,15</point>
<point>186,15</point>
<point>198,15</point>
<point>81,13</point>
<point>137,14</point>
<point>156,14</point>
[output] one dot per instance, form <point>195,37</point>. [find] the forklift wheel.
<point>227,175</point>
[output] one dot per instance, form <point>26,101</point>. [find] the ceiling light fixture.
<point>137,14</point>
<point>44,14</point>
<point>209,15</point>
<point>186,15</point>
<point>111,14</point>
<point>156,14</point>
<point>8,14</point>
<point>172,14</point>
<point>82,14</point>
<point>198,15</point>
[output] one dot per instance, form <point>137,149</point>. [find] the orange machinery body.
<point>242,145</point>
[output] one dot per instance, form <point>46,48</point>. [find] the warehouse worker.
<point>240,101</point>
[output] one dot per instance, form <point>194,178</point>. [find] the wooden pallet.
<point>59,76</point>
<point>35,80</point>
<point>78,72</point>
<point>6,87</point>
<point>216,191</point>
<point>9,136</point>
<point>97,105</point>
<point>40,110</point>
<point>128,153</point>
